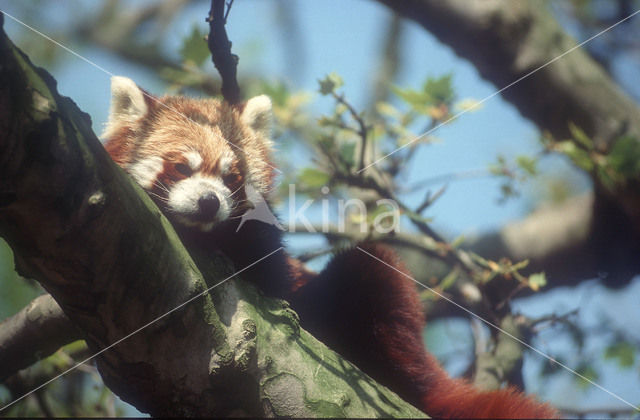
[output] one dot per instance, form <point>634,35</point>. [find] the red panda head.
<point>193,156</point>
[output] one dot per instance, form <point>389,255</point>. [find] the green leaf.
<point>439,89</point>
<point>326,142</point>
<point>500,167</point>
<point>435,92</point>
<point>537,281</point>
<point>578,156</point>
<point>194,48</point>
<point>388,110</point>
<point>625,156</point>
<point>325,121</point>
<point>347,153</point>
<point>623,352</point>
<point>468,105</point>
<point>277,91</point>
<point>528,165</point>
<point>457,242</point>
<point>580,136</point>
<point>508,190</point>
<point>606,178</point>
<point>419,101</point>
<point>588,372</point>
<point>330,83</point>
<point>449,280</point>
<point>313,178</point>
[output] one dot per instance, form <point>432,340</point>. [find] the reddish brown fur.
<point>372,315</point>
<point>363,309</point>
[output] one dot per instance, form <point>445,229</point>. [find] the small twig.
<point>226,15</point>
<point>446,178</point>
<point>553,318</point>
<point>362,130</point>
<point>510,296</point>
<point>220,48</point>
<point>430,199</point>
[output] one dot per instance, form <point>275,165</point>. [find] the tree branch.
<point>495,366</point>
<point>34,333</point>
<point>220,48</point>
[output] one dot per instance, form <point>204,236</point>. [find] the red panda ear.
<point>128,103</point>
<point>257,114</point>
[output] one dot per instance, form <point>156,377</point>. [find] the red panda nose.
<point>209,204</point>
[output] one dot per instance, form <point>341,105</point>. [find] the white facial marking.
<point>146,171</point>
<point>225,162</point>
<point>193,159</point>
<point>184,196</point>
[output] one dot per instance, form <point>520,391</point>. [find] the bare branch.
<point>35,332</point>
<point>361,131</point>
<point>220,48</point>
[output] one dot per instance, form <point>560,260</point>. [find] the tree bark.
<point>102,249</point>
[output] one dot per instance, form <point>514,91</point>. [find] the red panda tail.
<point>372,315</point>
<point>457,398</point>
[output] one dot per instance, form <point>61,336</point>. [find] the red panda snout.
<point>191,193</point>
<point>200,201</point>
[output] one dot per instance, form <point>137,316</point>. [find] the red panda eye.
<point>183,169</point>
<point>230,179</point>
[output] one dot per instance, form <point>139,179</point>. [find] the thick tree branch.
<point>96,242</point>
<point>570,242</point>
<point>498,364</point>
<point>35,332</point>
<point>507,40</point>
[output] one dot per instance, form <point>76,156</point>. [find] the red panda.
<point>198,158</point>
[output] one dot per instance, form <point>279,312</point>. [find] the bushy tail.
<point>371,314</point>
<point>457,398</point>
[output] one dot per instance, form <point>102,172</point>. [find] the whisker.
<point>161,198</point>
<point>161,185</point>
<point>237,189</point>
